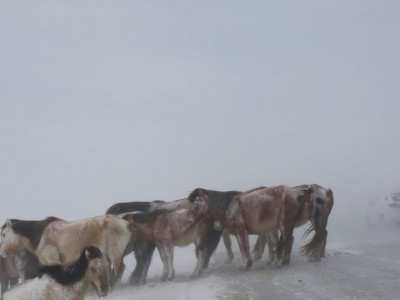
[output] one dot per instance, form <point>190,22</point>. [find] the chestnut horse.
<point>21,265</point>
<point>67,282</point>
<point>142,249</point>
<point>168,227</point>
<point>55,241</point>
<point>256,212</point>
<point>317,205</point>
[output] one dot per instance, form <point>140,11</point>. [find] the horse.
<point>72,282</point>
<point>168,227</point>
<point>255,212</point>
<point>21,265</point>
<point>142,249</point>
<point>317,206</point>
<point>56,241</point>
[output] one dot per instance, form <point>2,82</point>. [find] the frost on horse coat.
<point>256,212</point>
<point>67,282</point>
<point>168,227</point>
<point>55,241</point>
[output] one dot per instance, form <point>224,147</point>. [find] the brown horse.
<point>73,282</point>
<point>317,205</point>
<point>55,241</point>
<point>168,227</point>
<point>21,265</point>
<point>256,212</point>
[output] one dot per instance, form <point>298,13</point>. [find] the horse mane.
<point>144,217</point>
<point>68,275</point>
<point>123,207</point>
<point>32,230</point>
<point>218,202</point>
<point>256,189</point>
<point>316,243</point>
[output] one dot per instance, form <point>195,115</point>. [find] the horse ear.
<point>8,223</point>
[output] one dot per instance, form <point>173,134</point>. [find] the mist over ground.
<point>111,101</point>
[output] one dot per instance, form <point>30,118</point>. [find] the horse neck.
<point>219,206</point>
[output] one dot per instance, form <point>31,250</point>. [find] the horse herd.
<point>58,259</point>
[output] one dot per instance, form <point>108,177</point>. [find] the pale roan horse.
<point>256,212</point>
<point>73,282</point>
<point>317,205</point>
<point>168,227</point>
<point>55,241</point>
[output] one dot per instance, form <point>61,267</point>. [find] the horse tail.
<point>315,248</point>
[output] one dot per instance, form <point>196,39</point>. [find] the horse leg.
<point>243,241</point>
<point>170,257</point>
<point>4,282</point>
<point>259,247</point>
<point>164,259</point>
<point>228,245</point>
<point>143,251</point>
<point>135,276</point>
<point>146,260</point>
<point>201,254</point>
<point>287,250</point>
<point>272,240</point>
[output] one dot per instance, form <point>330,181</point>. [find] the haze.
<point>110,101</point>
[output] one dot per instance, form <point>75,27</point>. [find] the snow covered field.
<point>361,265</point>
<point>114,101</point>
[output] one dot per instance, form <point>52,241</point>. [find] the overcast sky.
<point>109,101</point>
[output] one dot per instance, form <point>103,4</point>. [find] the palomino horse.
<point>21,265</point>
<point>168,227</point>
<point>255,212</point>
<point>55,241</point>
<point>142,249</point>
<point>67,282</point>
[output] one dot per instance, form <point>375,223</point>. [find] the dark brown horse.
<point>255,212</point>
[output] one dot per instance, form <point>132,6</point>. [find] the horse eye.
<point>93,270</point>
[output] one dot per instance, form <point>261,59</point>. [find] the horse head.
<point>98,270</point>
<point>10,240</point>
<point>199,205</point>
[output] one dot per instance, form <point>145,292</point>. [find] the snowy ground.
<point>358,266</point>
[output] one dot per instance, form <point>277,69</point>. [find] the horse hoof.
<point>256,257</point>
<point>228,260</point>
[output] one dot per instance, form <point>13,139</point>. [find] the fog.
<point>110,101</point>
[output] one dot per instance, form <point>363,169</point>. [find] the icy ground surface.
<point>362,266</point>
